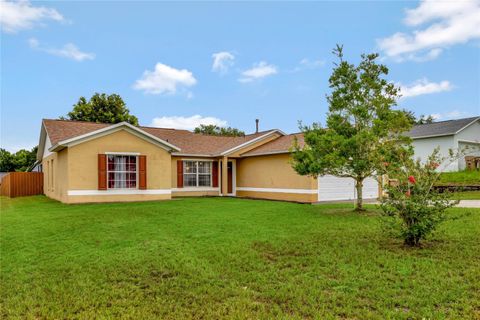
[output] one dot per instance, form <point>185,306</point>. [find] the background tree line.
<point>21,160</point>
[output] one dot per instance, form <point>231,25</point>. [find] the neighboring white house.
<point>451,134</point>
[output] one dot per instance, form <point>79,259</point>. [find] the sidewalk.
<point>469,204</point>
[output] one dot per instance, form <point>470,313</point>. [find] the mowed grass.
<point>466,195</point>
<point>466,177</point>
<point>213,258</point>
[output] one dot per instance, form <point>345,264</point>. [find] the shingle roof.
<point>187,141</point>
<point>441,128</point>
<point>279,145</point>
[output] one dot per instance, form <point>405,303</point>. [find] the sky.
<point>179,64</point>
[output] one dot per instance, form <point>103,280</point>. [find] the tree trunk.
<point>359,188</point>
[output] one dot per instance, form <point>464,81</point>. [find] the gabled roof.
<point>280,145</point>
<point>182,142</point>
<point>441,128</point>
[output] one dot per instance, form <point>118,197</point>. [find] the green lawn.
<point>467,195</point>
<point>210,258</point>
<point>460,178</point>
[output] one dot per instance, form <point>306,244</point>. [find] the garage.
<point>332,188</point>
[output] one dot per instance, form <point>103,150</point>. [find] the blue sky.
<point>178,64</point>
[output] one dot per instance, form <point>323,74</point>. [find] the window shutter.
<point>179,174</point>
<point>215,174</point>
<point>142,172</point>
<point>102,172</point>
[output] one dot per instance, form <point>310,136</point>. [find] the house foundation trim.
<point>278,190</point>
<point>117,192</point>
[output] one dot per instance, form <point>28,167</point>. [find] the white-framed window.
<point>122,171</point>
<point>197,173</point>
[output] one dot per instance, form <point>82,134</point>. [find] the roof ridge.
<point>435,122</point>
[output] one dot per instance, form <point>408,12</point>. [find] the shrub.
<point>413,208</point>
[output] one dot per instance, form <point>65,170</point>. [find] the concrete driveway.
<point>469,204</point>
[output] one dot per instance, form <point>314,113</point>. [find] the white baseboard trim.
<point>279,190</point>
<point>195,189</point>
<point>117,192</point>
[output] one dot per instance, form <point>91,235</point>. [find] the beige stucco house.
<point>95,162</point>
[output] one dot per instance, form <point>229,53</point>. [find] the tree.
<point>213,130</point>
<point>362,131</point>
<point>423,119</point>
<point>102,108</point>
<point>413,208</point>
<point>21,160</point>
<point>6,161</point>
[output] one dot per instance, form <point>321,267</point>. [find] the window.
<point>197,173</point>
<point>121,172</point>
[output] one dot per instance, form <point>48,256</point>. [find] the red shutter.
<point>102,172</point>
<point>142,172</point>
<point>215,174</point>
<point>179,174</point>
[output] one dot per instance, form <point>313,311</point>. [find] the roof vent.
<point>256,125</point>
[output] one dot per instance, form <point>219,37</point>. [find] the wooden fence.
<point>18,184</point>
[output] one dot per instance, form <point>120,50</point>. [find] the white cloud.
<point>222,61</point>
<point>455,114</point>
<point>69,51</point>
<point>312,64</point>
<point>452,22</point>
<point>423,86</point>
<point>307,64</point>
<point>258,71</point>
<point>186,123</point>
<point>164,80</point>
<point>21,15</point>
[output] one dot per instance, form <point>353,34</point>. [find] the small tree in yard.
<point>363,131</point>
<point>413,208</point>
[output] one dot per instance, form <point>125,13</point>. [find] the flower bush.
<point>413,208</point>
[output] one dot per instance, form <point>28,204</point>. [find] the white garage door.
<point>331,188</point>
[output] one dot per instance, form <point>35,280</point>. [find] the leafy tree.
<point>21,160</point>
<point>213,130</point>
<point>102,108</point>
<point>413,208</point>
<point>363,130</point>
<point>6,161</point>
<point>423,119</point>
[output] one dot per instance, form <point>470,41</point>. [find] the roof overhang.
<point>41,142</point>
<point>433,136</point>
<point>249,143</point>
<point>266,153</point>
<point>111,129</point>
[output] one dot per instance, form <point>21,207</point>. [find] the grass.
<point>467,195</point>
<point>212,258</point>
<point>460,178</point>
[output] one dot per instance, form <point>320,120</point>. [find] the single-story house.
<point>97,162</point>
<point>461,134</point>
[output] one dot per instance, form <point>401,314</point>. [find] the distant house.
<point>99,162</point>
<point>451,134</point>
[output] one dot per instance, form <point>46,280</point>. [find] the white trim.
<point>175,154</point>
<point>433,136</point>
<point>194,159</point>
<point>278,190</point>
<point>110,129</point>
<point>245,144</point>
<point>264,153</point>
<point>473,121</point>
<point>469,141</point>
<point>193,189</point>
<point>123,153</point>
<point>117,192</point>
